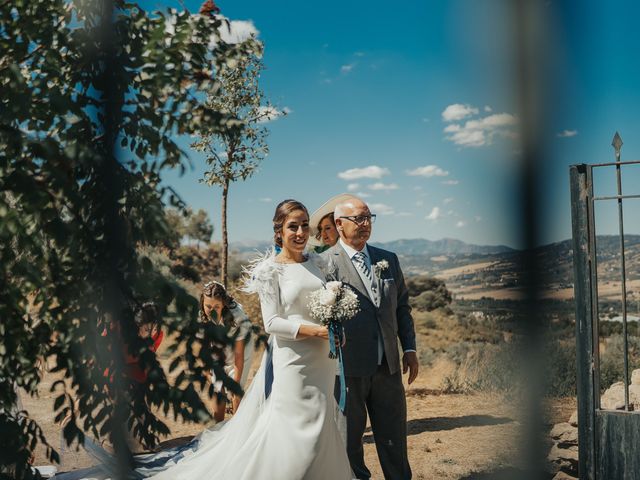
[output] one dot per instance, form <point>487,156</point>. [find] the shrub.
<point>428,293</point>
<point>427,356</point>
<point>560,365</point>
<point>612,359</point>
<point>195,264</point>
<point>455,383</point>
<point>430,300</point>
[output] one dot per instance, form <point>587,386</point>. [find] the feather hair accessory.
<point>260,274</point>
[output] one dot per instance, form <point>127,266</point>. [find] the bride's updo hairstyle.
<point>283,210</point>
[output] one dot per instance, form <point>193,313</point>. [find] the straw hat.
<point>327,207</point>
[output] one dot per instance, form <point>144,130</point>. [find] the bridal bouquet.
<point>331,305</point>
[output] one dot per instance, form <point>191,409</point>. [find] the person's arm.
<point>238,359</point>
<point>274,324</point>
<point>406,331</point>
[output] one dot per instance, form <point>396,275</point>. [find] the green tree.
<point>92,96</point>
<point>199,227</point>
<point>235,154</point>
<point>176,228</point>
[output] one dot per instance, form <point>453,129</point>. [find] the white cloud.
<point>488,109</point>
<point>480,132</point>
<point>359,54</point>
<point>363,194</point>
<point>372,171</point>
<point>468,138</point>
<point>238,31</point>
<point>450,182</point>
<point>417,188</point>
<point>447,201</point>
<point>352,187</point>
<point>269,113</point>
<point>461,224</point>
<point>231,31</point>
<point>381,209</point>
<point>383,186</point>
<point>458,111</point>
<point>568,133</point>
<point>496,120</point>
<point>434,215</point>
<point>265,199</point>
<point>477,218</point>
<point>428,171</point>
<point>419,203</point>
<point>346,68</point>
<point>425,120</point>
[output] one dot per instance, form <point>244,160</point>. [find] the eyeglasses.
<point>361,219</point>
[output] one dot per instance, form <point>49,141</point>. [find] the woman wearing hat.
<point>323,227</point>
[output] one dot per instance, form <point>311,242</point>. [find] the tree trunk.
<point>225,240</point>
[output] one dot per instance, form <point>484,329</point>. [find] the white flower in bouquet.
<point>334,302</point>
<point>334,286</point>
<point>327,297</point>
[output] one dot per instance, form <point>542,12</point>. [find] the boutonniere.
<point>380,267</point>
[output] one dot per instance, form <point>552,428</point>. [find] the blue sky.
<point>414,105</point>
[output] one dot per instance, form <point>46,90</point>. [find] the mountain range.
<point>403,247</point>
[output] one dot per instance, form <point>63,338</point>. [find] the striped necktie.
<point>361,264</point>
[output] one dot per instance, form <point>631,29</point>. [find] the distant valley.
<point>475,271</point>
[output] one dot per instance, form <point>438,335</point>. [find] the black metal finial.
<point>617,144</point>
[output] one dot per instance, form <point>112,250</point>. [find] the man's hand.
<point>410,362</point>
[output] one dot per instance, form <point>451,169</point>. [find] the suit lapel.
<point>348,271</point>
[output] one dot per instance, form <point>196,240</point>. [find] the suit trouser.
<point>382,396</point>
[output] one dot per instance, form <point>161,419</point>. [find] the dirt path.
<point>450,436</point>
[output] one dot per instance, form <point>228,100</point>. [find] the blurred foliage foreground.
<point>92,95</point>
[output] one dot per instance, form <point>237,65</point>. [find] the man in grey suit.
<point>371,357</point>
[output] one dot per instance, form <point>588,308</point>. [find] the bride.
<point>292,434</point>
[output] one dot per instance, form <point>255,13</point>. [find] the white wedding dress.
<point>292,435</point>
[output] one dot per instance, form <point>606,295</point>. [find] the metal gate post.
<point>581,192</point>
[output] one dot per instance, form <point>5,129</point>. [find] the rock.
<point>635,377</point>
<point>563,460</point>
<point>613,397</point>
<point>564,476</point>
<point>573,421</point>
<point>569,454</point>
<point>564,434</point>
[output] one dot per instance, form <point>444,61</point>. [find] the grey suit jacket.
<point>391,319</point>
